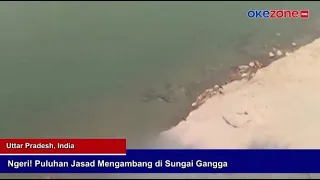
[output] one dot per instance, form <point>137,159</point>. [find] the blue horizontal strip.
<point>171,161</point>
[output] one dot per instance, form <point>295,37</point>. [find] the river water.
<point>85,69</point>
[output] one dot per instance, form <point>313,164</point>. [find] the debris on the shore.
<point>244,75</point>
<point>255,66</point>
<point>279,53</point>
<point>208,93</point>
<point>245,71</point>
<point>252,64</point>
<point>242,68</point>
<point>242,113</point>
<point>271,54</point>
<point>251,75</point>
<point>258,64</point>
<point>218,89</point>
<point>238,73</point>
<point>228,122</point>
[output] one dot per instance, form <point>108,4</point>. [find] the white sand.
<point>282,102</point>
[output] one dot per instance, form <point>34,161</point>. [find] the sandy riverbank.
<point>278,107</point>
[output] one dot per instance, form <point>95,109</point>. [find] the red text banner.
<point>63,146</point>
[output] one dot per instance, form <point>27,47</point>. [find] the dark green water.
<point>79,69</point>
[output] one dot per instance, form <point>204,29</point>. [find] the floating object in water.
<point>164,98</point>
<point>252,64</point>
<point>294,44</point>
<point>152,95</point>
<point>278,34</point>
<point>279,53</point>
<point>271,54</point>
<point>145,99</point>
<point>243,68</point>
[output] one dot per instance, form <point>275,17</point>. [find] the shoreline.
<point>222,74</point>
<point>244,72</point>
<point>240,121</point>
